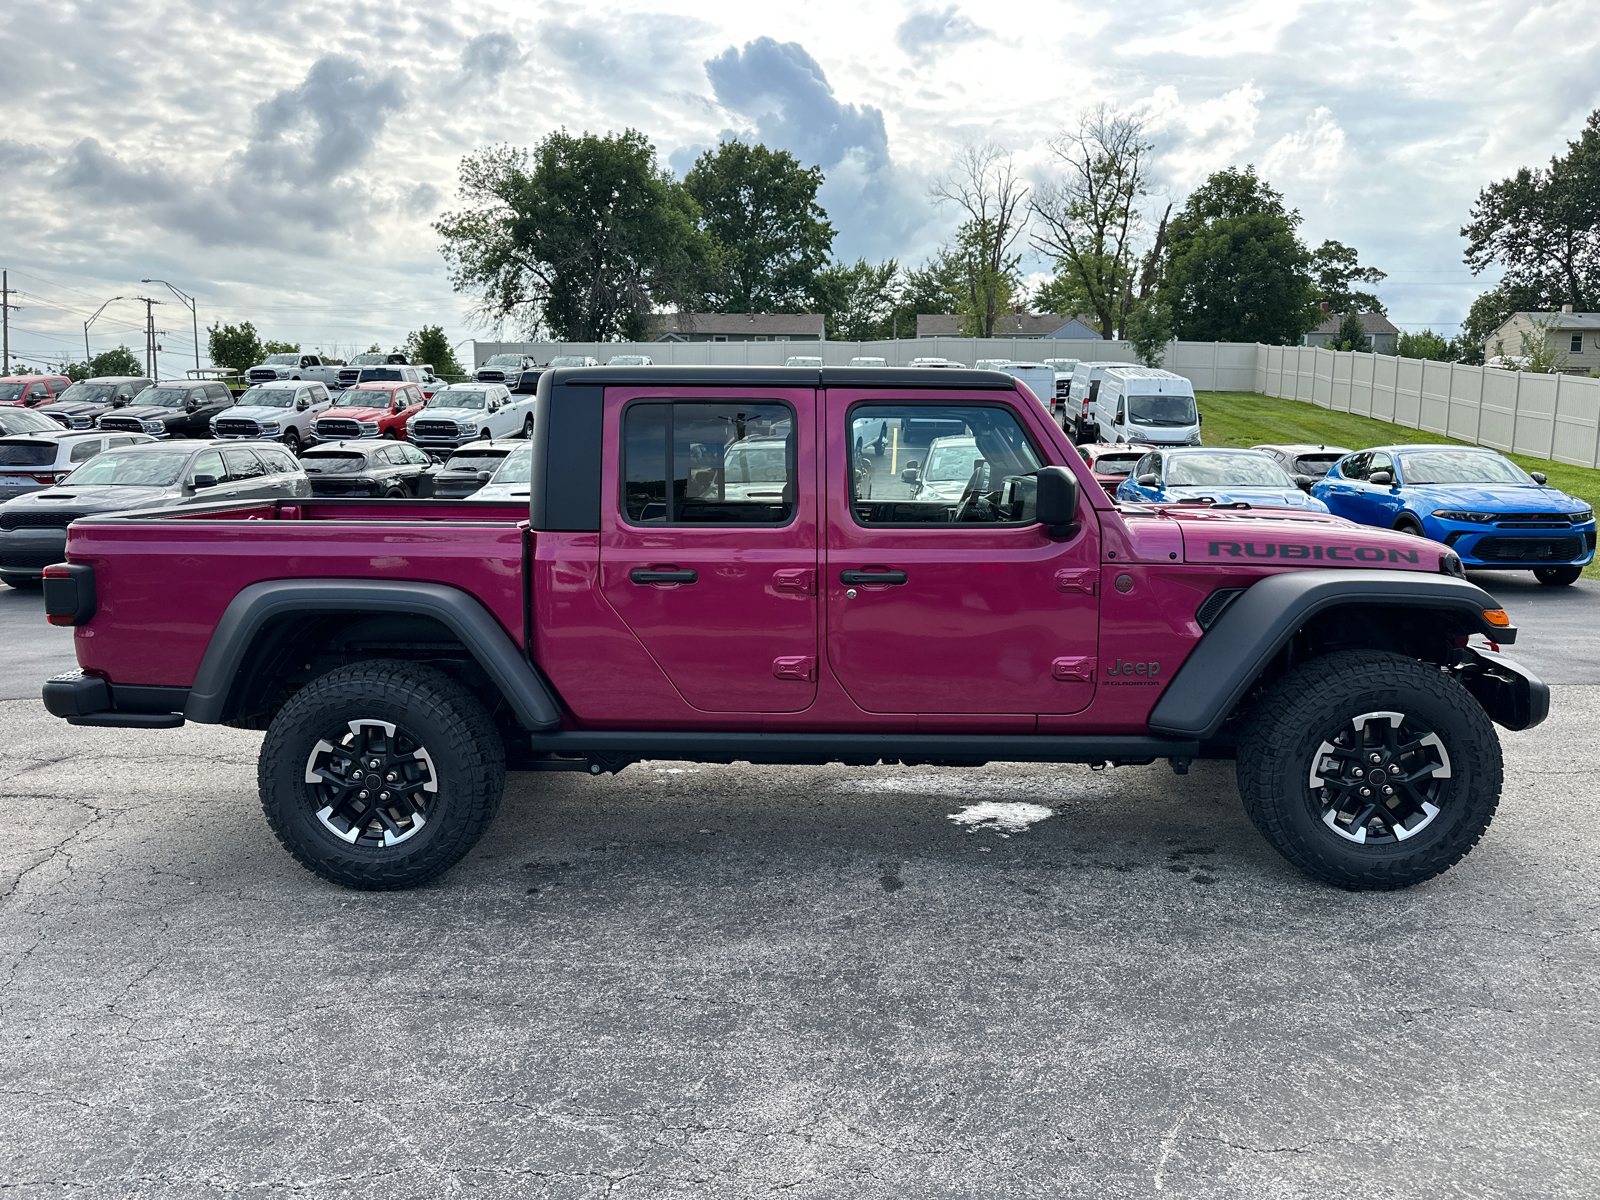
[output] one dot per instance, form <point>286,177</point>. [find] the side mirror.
<point>484,476</point>
<point>1304,482</point>
<point>204,481</point>
<point>302,404</point>
<point>1057,501</point>
<point>909,475</point>
<point>192,406</point>
<point>1381,479</point>
<point>1538,477</point>
<point>1199,418</point>
<point>1148,480</point>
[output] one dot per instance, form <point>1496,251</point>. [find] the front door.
<point>944,595</point>
<point>708,544</point>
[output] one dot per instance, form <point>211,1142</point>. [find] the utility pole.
<point>149,335</point>
<point>5,322</point>
<point>194,313</point>
<point>86,355</point>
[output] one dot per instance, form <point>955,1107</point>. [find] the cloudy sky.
<point>283,161</point>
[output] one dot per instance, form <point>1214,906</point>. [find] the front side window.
<point>1380,462</point>
<point>698,463</point>
<point>209,463</point>
<point>966,464</point>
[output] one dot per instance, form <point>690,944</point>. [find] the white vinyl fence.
<point>1546,416</point>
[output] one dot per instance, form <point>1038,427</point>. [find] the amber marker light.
<point>1497,616</point>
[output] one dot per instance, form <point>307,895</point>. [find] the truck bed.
<point>213,551</point>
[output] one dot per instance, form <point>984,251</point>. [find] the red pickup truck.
<point>370,410</point>
<point>710,568</point>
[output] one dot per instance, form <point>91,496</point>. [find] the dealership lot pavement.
<point>735,981</point>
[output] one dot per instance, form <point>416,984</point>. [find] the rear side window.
<point>219,391</point>
<point>278,462</point>
<point>85,450</point>
<point>242,464</point>
<point>698,463</point>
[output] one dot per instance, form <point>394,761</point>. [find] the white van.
<point>1078,418</point>
<point>1146,405</point>
<point>1040,379</point>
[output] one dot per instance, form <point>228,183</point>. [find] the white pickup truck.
<point>463,412</point>
<point>295,366</point>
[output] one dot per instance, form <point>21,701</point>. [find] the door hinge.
<point>1073,669</point>
<point>802,580</point>
<point>1086,581</point>
<point>795,666</point>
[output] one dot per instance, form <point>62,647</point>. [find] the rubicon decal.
<point>1298,550</point>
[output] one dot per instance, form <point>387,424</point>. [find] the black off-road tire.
<point>1282,740</point>
<point>1557,576</point>
<point>466,758</point>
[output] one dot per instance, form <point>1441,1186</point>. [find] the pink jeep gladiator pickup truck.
<point>711,567</point>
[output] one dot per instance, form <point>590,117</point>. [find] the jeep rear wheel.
<point>381,774</point>
<point>1557,576</point>
<point>1369,770</point>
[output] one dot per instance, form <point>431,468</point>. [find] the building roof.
<point>1005,325</point>
<point>1559,320</point>
<point>761,324</point>
<point>1371,323</point>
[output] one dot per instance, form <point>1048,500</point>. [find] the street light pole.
<point>89,322</point>
<point>194,313</point>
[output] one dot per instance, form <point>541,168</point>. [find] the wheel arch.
<point>1284,618</point>
<point>269,623</point>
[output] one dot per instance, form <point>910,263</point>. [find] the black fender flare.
<point>524,688</point>
<point>1231,655</point>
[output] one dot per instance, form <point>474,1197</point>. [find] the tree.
<point>1540,349</point>
<point>1335,268</point>
<point>1149,328</point>
<point>1543,225</point>
<point>120,361</point>
<point>280,347</point>
<point>1352,335</point>
<point>1235,269</point>
<point>1088,217</point>
<point>1426,344</point>
<point>429,345</point>
<point>760,207</point>
<point>585,237</point>
<point>984,185</point>
<point>1063,295</point>
<point>860,302</point>
<point>235,346</point>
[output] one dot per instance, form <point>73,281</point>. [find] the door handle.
<point>856,577</point>
<point>672,575</point>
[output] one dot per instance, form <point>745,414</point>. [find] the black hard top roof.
<point>901,378</point>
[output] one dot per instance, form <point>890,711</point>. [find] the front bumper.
<point>1494,548</point>
<point>27,552</point>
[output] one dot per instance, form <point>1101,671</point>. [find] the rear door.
<point>960,604</point>
<point>248,477</point>
<point>708,543</point>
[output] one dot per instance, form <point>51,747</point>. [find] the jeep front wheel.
<point>1369,770</point>
<point>381,774</point>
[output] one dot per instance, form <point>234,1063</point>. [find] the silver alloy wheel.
<point>1380,780</point>
<point>377,784</point>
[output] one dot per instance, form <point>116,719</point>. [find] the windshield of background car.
<point>333,461</point>
<point>381,374</point>
<point>11,391</point>
<point>90,393</point>
<point>567,360</point>
<point>28,454</point>
<point>1315,465</point>
<point>627,360</point>
<point>516,467</point>
<point>504,360</point>
<point>161,397</point>
<point>1225,470</point>
<point>1168,411</point>
<point>158,467</point>
<point>367,398</point>
<point>268,398</point>
<point>475,460</point>
<point>1459,466</point>
<point>950,461</point>
<point>458,400</point>
<point>1116,464</point>
<point>282,360</point>
<point>20,420</point>
<point>767,463</point>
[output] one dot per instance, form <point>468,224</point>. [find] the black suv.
<point>177,408</point>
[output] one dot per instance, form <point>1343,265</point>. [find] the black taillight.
<point>69,593</point>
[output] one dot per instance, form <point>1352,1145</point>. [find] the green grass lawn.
<point>1248,419</point>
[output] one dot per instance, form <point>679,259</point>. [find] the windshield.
<point>158,467</point>
<point>90,393</point>
<point>333,462</point>
<point>1161,410</point>
<point>28,454</point>
<point>950,460</point>
<point>459,400</point>
<point>381,374</point>
<point>11,391</point>
<point>756,464</point>
<point>517,467</point>
<point>20,420</point>
<point>268,397</point>
<point>1315,465</point>
<point>281,360</point>
<point>1225,470</point>
<point>568,360</point>
<point>475,460</point>
<point>1116,464</point>
<point>504,360</point>
<point>1460,466</point>
<point>628,360</point>
<point>162,397</point>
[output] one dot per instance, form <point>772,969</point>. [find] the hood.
<point>149,412</point>
<point>92,499</point>
<point>503,491</point>
<point>1237,537</point>
<point>1495,497</point>
<point>260,412</point>
<point>452,414</point>
<point>352,413</point>
<point>1291,497</point>
<point>73,407</point>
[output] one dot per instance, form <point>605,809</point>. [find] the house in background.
<point>1011,325</point>
<point>1573,334</point>
<point>1384,336</point>
<point>737,327</point>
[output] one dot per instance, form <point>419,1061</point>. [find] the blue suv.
<point>1476,501</point>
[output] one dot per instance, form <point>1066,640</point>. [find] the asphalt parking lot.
<point>737,981</point>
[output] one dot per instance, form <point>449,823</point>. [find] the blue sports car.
<point>1214,475</point>
<point>1477,502</point>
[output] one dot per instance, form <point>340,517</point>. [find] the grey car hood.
<point>94,499</point>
